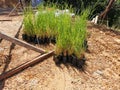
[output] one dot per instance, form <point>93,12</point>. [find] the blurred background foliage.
<point>98,6</point>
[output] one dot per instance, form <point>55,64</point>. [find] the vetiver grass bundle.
<point>70,45</point>
<point>28,24</point>
<point>45,23</point>
<point>69,32</point>
<point>80,33</point>
<point>42,24</point>
<point>64,31</point>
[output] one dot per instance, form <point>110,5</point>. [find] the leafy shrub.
<point>98,7</point>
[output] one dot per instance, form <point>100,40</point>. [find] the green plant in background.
<point>28,23</point>
<point>40,25</point>
<point>114,15</point>
<point>99,6</point>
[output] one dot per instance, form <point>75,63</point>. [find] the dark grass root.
<point>71,60</point>
<point>38,40</point>
<point>46,40</point>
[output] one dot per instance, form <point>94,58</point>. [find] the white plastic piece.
<point>36,14</point>
<point>93,20</point>
<point>96,19</point>
<point>72,15</point>
<point>57,14</point>
<point>66,10</point>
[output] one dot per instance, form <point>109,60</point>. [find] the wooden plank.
<point>6,20</point>
<point>25,65</point>
<point>14,8</point>
<point>21,43</point>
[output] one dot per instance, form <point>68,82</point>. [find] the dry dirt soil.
<point>102,70</point>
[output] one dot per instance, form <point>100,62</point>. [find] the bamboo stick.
<point>25,65</point>
<point>21,43</point>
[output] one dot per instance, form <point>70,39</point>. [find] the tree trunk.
<point>105,12</point>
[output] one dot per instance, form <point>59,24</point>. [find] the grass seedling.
<point>72,35</point>
<point>28,23</point>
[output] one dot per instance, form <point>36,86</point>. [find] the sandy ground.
<point>102,71</point>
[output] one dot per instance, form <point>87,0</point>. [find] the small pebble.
<point>98,72</point>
